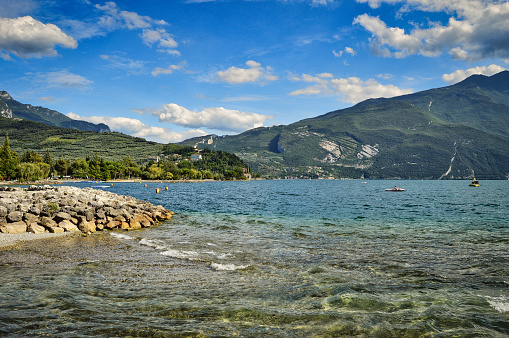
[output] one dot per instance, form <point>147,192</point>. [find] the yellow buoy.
<point>166,188</point>
<point>157,190</point>
<point>111,184</point>
<point>145,185</point>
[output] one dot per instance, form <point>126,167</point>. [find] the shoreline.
<point>14,241</point>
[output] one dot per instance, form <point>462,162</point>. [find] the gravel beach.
<point>9,240</point>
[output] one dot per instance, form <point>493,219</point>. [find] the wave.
<point>501,303</point>
<point>120,236</point>
<point>227,267</point>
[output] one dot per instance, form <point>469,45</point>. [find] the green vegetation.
<point>32,166</point>
<point>45,115</point>
<point>417,136</point>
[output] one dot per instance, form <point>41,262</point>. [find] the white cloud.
<point>135,127</point>
<point>26,37</point>
<point>130,66</point>
<point>475,30</point>
<point>217,118</point>
<point>60,79</point>
<point>158,70</point>
<point>348,50</point>
<point>462,74</point>
<point>152,33</point>
<point>351,90</point>
<point>255,73</point>
<point>162,38</point>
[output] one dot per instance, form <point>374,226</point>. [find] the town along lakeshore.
<point>276,258</point>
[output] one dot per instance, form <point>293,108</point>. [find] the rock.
<point>113,224</point>
<point>61,216</point>
<point>14,228</point>
<point>34,209</point>
<point>68,225</point>
<point>48,222</point>
<point>30,218</point>
<point>14,216</point>
<point>56,230</point>
<point>87,227</point>
<point>36,228</point>
<point>68,208</point>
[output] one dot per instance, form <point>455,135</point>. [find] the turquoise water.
<point>283,259</point>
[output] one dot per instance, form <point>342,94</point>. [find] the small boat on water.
<point>395,189</point>
<point>475,183</point>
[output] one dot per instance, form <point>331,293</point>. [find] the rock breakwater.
<point>40,209</point>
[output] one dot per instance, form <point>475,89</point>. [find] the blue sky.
<point>171,70</point>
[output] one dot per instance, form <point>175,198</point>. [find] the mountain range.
<point>11,108</point>
<point>454,132</point>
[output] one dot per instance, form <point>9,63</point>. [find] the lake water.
<point>302,258</point>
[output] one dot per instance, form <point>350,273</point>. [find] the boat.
<point>475,183</point>
<point>395,189</point>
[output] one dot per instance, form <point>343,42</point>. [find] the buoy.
<point>111,184</point>
<point>157,190</point>
<point>166,188</point>
<point>145,185</point>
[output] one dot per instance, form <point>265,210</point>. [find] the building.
<point>196,157</point>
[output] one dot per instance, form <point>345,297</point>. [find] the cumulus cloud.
<point>152,33</point>
<point>255,73</point>
<point>348,50</point>
<point>350,90</point>
<point>475,30</point>
<point>60,79</point>
<point>26,37</point>
<point>462,74</point>
<point>135,127</point>
<point>217,118</point>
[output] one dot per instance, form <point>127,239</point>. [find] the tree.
<point>79,168</point>
<point>61,167</point>
<point>9,160</point>
<point>47,159</point>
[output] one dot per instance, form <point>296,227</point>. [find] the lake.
<point>278,258</point>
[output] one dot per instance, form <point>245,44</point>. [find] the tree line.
<point>31,166</point>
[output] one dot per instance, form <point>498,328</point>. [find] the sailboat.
<point>475,183</point>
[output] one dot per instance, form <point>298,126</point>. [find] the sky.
<point>169,70</point>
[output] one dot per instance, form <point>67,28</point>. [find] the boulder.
<point>56,230</point>
<point>67,225</point>
<point>36,228</point>
<point>30,218</point>
<point>14,228</point>
<point>48,222</point>
<point>3,211</point>
<point>14,216</point>
<point>87,227</point>
<point>61,216</point>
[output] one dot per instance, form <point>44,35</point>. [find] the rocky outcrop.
<point>58,209</point>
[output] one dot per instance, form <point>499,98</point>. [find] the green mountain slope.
<point>65,143</point>
<point>450,132</point>
<point>13,109</point>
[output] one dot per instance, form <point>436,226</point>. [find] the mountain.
<point>71,144</point>
<point>11,108</point>
<point>452,132</point>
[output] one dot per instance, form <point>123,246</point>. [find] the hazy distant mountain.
<point>11,108</point>
<point>449,132</point>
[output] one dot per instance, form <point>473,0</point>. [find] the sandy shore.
<point>12,240</point>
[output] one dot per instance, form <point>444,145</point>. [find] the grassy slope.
<point>71,144</point>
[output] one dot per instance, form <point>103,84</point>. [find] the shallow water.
<point>278,258</point>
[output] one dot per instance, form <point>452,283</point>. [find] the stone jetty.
<point>40,209</point>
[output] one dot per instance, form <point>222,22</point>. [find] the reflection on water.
<point>277,258</point>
